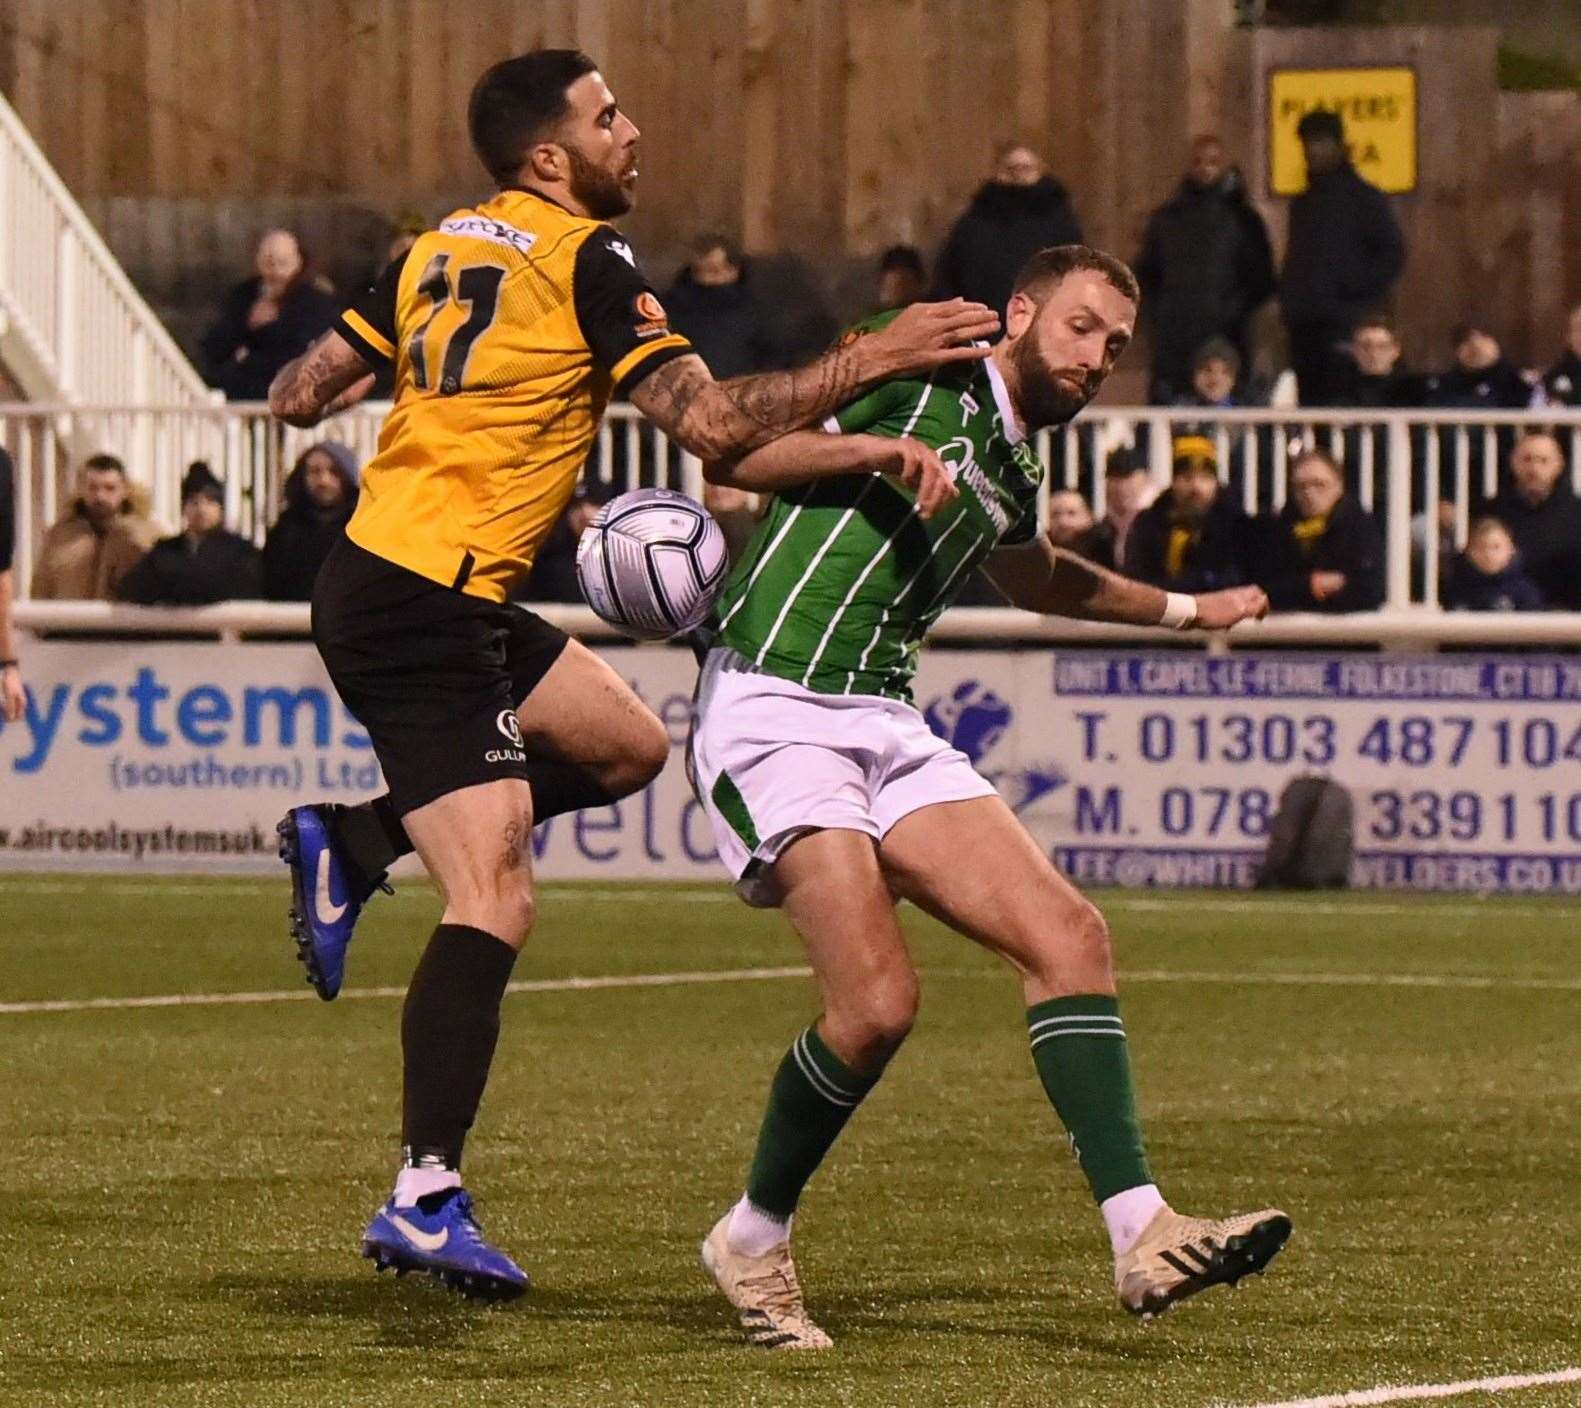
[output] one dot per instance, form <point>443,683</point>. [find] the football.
<point>651,563</point>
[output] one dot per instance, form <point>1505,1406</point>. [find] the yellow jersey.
<point>510,326</point>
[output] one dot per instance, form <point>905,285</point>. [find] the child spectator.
<point>1488,575</point>
<point>320,495</point>
<point>203,563</point>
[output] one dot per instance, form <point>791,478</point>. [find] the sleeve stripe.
<point>362,335</point>
<point>634,358</point>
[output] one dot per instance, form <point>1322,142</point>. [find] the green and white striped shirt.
<point>842,579</point>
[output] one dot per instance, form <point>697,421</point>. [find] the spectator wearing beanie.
<point>320,497</point>
<point>1193,538</point>
<point>202,564</point>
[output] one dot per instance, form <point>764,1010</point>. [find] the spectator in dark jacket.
<point>1205,267</point>
<point>1562,382</point>
<point>1018,211</point>
<point>1344,255</point>
<point>266,320</point>
<point>902,279</point>
<point>1324,552</point>
<point>553,575</point>
<point>1488,575</point>
<point>203,563</point>
<point>1194,538</point>
<point>320,497</point>
<point>712,303</point>
<point>1372,375</point>
<point>1070,522</point>
<point>1481,378</point>
<point>1127,490</point>
<point>1544,517</point>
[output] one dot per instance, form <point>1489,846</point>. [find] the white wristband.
<point>1180,611</point>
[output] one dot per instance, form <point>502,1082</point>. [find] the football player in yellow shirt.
<point>509,327</point>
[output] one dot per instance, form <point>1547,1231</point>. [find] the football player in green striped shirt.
<point>830,797</point>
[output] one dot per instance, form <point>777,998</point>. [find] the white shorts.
<point>772,761</point>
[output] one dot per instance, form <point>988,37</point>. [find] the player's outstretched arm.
<point>328,377</point>
<point>806,455</point>
<point>718,420</point>
<point>1053,582</point>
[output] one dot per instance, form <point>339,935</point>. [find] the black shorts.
<point>433,675</point>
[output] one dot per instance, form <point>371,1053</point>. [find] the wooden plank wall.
<point>823,128</point>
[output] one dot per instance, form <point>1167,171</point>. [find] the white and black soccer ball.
<point>651,563</point>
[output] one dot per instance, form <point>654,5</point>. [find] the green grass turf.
<point>185,1188</point>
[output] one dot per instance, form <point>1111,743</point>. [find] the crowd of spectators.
<point>1207,270</point>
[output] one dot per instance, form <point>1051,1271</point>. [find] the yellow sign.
<point>1377,106</point>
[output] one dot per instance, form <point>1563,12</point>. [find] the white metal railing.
<point>1416,628</point>
<point>1401,464</point>
<point>72,326</point>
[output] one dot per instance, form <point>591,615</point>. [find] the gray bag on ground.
<point>1311,838</point>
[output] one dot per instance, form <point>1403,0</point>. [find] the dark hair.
<point>902,256</point>
<point>1321,122</point>
<point>1048,268</point>
<point>1376,319</point>
<point>517,101</point>
<point>1122,461</point>
<point>1470,328</point>
<point>200,479</point>
<point>1217,349</point>
<point>707,244</point>
<point>105,462</point>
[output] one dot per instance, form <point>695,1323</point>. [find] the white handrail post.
<point>67,340</point>
<point>1397,491</point>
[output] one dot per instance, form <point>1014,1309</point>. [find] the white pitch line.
<point>1353,980</point>
<point>1250,906</point>
<point>1472,982</point>
<point>247,999</point>
<point>1366,1397</point>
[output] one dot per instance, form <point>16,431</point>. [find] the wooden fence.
<point>825,128</point>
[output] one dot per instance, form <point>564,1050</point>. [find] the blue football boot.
<point>439,1237</point>
<point>328,892</point>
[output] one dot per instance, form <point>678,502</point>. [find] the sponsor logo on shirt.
<point>653,320</point>
<point>481,227</point>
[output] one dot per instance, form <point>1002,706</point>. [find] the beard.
<point>1045,394</point>
<point>599,191</point>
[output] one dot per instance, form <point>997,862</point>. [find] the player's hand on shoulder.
<point>920,469</point>
<point>928,335</point>
<point>1218,611</point>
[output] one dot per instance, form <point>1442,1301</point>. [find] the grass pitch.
<point>185,1186</point>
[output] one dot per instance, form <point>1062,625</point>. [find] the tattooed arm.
<point>721,420</point>
<point>1053,582</point>
<point>328,377</point>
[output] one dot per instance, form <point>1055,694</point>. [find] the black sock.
<point>559,787</point>
<point>373,839</point>
<point>370,835</point>
<point>449,1027</point>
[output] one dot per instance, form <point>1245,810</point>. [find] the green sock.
<point>1078,1046</point>
<point>813,1095</point>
